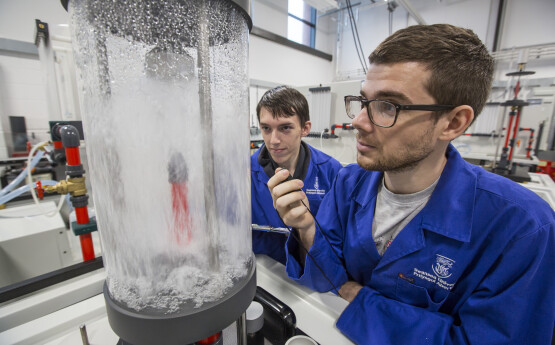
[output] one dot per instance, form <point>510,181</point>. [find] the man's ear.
<point>306,128</point>
<point>458,121</point>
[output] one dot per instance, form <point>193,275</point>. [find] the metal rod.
<point>270,228</point>
<point>84,336</point>
<point>203,52</point>
<point>500,132</point>
<point>408,7</point>
<point>242,329</point>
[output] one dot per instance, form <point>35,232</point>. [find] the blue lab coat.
<point>475,266</point>
<point>320,174</point>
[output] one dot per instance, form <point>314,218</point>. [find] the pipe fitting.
<point>70,136</point>
<point>74,186</point>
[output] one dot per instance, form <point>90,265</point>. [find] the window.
<point>301,24</point>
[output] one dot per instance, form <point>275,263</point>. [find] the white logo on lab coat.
<point>316,190</point>
<point>442,266</point>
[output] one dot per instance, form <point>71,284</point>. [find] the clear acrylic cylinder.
<point>164,92</point>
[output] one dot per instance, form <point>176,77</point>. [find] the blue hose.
<point>5,198</point>
<point>21,176</point>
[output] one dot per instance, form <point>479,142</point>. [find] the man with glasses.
<point>284,119</point>
<point>427,248</point>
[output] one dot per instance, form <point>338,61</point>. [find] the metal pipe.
<point>203,53</point>
<point>242,330</point>
<point>270,228</point>
<point>500,131</point>
<point>338,10</point>
<point>499,22</point>
<point>408,7</point>
<point>84,336</point>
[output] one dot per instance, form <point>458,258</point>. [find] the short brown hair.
<point>461,66</point>
<point>284,101</point>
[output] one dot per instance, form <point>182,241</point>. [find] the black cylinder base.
<point>181,328</point>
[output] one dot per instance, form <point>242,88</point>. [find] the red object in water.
<point>180,208</point>
<point>210,340</point>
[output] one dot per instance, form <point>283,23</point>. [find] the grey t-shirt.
<point>394,211</point>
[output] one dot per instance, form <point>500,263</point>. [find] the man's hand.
<point>349,290</point>
<point>287,198</point>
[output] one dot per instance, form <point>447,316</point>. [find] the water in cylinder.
<point>164,90</point>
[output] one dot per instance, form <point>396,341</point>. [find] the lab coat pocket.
<point>418,296</point>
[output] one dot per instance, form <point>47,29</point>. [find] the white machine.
<point>30,246</point>
<point>54,316</point>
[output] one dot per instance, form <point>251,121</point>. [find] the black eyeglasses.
<point>384,113</point>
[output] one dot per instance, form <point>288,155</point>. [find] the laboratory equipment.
<point>505,164</point>
<point>30,246</point>
<point>53,316</point>
<point>164,91</point>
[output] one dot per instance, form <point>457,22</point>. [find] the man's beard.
<point>412,154</point>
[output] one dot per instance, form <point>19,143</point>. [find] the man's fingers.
<point>297,211</point>
<point>289,200</point>
<point>291,209</point>
<point>279,176</point>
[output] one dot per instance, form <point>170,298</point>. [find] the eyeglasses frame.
<point>398,107</point>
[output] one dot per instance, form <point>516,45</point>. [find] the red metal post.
<point>515,131</point>
<point>511,118</point>
<point>72,156</point>
<point>87,248</point>
<point>81,213</point>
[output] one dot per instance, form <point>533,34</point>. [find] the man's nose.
<point>362,120</point>
<point>274,137</point>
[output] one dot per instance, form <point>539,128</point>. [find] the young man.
<point>427,248</point>
<point>284,119</point>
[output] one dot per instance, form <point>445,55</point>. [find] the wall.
<point>528,23</point>
<point>23,82</point>
<point>273,62</point>
<point>279,64</point>
<point>525,23</point>
<point>22,93</point>
<point>372,26</point>
<point>270,64</point>
<point>270,15</point>
<point>22,78</point>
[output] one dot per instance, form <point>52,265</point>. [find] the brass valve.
<point>74,186</point>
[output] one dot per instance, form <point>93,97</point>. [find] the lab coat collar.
<point>316,158</point>
<point>257,168</point>
<point>449,211</point>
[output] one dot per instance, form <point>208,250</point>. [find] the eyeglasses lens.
<point>383,113</point>
<point>353,107</point>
